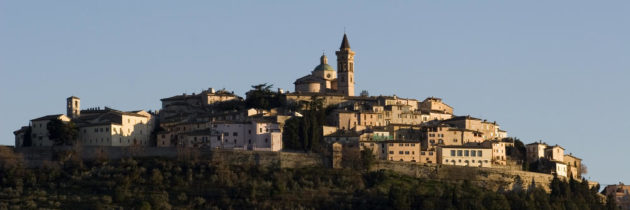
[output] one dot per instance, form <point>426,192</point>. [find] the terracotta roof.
<point>308,79</point>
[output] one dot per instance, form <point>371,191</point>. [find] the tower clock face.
<point>328,75</point>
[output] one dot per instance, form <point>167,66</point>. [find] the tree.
<point>305,133</point>
<point>62,133</point>
<point>367,158</point>
<point>262,97</point>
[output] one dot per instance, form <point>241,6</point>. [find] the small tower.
<point>345,68</point>
<point>73,109</point>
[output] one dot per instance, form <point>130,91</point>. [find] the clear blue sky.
<point>551,70</point>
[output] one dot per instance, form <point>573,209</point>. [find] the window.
<point>266,140</point>
<point>459,153</point>
<point>453,153</point>
<point>261,130</point>
<point>226,134</point>
<point>235,134</point>
<point>466,153</point>
<point>430,153</point>
<point>479,153</point>
<point>413,145</point>
<point>406,152</point>
<point>400,144</point>
<point>473,153</point>
<point>391,152</point>
<point>421,153</point>
<point>400,152</point>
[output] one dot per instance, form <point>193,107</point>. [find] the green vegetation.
<point>262,97</point>
<point>178,184</point>
<point>305,133</point>
<point>62,133</point>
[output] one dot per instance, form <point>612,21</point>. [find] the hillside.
<point>161,183</point>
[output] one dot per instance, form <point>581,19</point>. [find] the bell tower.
<point>73,109</point>
<point>345,68</point>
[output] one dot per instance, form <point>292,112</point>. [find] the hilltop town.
<point>322,115</point>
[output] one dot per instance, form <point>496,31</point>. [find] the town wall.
<point>496,179</point>
<point>501,178</point>
<point>37,156</point>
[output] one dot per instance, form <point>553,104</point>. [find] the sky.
<point>555,71</point>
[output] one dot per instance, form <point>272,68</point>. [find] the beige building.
<point>397,101</point>
<point>621,193</point>
<point>444,134</point>
<point>555,153</point>
<point>348,138</point>
<point>535,151</point>
<point>435,109</point>
<point>394,150</point>
<point>39,129</point>
<point>574,166</point>
<point>428,156</point>
<point>489,130</point>
<point>379,148</point>
<point>472,156</point>
<point>499,156</point>
<point>202,138</point>
<point>175,106</point>
<point>408,151</point>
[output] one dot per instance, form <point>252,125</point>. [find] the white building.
<point>252,135</point>
<point>111,127</point>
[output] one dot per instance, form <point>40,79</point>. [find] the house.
<point>408,151</point>
<point>466,155</point>
<point>621,194</point>
<point>535,151</point>
<point>110,127</point>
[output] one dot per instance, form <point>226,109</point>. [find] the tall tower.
<point>73,109</point>
<point>345,68</point>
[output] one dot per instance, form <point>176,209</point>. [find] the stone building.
<point>110,127</point>
<point>21,135</point>
<point>408,151</point>
<point>554,153</point>
<point>472,156</point>
<point>535,151</point>
<point>574,166</point>
<point>621,194</point>
<point>324,80</point>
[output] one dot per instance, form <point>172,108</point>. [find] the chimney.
<point>280,90</point>
<point>211,90</point>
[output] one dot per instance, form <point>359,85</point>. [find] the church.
<point>324,79</point>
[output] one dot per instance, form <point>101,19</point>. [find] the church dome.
<point>323,66</point>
